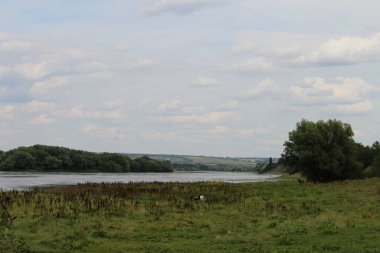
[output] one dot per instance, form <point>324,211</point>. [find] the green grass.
<point>162,217</point>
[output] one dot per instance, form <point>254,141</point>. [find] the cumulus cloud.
<point>6,111</point>
<point>42,119</point>
<point>244,47</point>
<point>104,132</point>
<point>140,64</point>
<point>202,81</point>
<point>256,131</point>
<point>340,94</point>
<point>37,106</point>
<point>265,88</point>
<point>4,70</point>
<point>3,35</point>
<point>50,84</point>
<point>80,112</point>
<point>257,64</point>
<point>354,108</point>
<point>180,7</point>
<point>34,70</point>
<point>229,105</point>
<point>203,118</point>
<point>14,46</point>
<point>89,128</point>
<point>3,90</point>
<point>343,51</point>
<point>174,104</point>
<point>220,130</point>
<point>304,51</point>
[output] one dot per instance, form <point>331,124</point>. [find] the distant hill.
<point>209,163</point>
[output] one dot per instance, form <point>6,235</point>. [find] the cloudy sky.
<point>202,77</point>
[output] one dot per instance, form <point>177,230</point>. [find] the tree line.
<point>326,151</point>
<point>61,159</point>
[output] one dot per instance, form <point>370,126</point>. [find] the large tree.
<point>322,151</point>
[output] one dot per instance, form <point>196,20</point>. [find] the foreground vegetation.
<point>53,159</point>
<point>282,216</point>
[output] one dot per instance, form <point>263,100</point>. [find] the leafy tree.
<point>365,154</point>
<point>18,160</point>
<point>146,164</point>
<point>376,146</point>
<point>52,164</point>
<point>376,166</point>
<point>1,155</point>
<point>49,158</point>
<point>322,151</point>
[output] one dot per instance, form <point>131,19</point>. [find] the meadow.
<point>283,216</point>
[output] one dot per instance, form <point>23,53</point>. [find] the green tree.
<point>376,146</point>
<point>18,160</point>
<point>376,166</point>
<point>52,164</point>
<point>365,154</point>
<point>50,158</point>
<point>322,151</point>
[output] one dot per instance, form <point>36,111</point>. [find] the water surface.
<point>27,180</point>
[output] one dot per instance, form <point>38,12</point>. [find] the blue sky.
<point>202,77</point>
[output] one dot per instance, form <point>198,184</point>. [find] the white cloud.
<point>305,51</point>
<point>3,36</point>
<point>170,106</point>
<point>220,130</point>
<point>4,70</point>
<point>263,89</point>
<point>51,84</point>
<point>180,7</point>
<point>140,64</point>
<point>14,46</point>
<point>104,132</point>
<point>257,64</point>
<point>174,137</point>
<point>43,119</point>
<point>256,131</point>
<point>3,90</point>
<point>359,107</point>
<point>202,81</point>
<point>316,90</point>
<point>244,47</point>
<point>80,112</point>
<point>6,111</point>
<point>343,51</point>
<point>230,105</point>
<point>89,128</point>
<point>33,70</point>
<point>205,118</point>
<point>36,106</point>
<point>345,95</point>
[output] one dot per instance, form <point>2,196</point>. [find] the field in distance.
<point>209,163</point>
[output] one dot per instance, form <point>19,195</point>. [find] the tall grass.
<point>164,217</point>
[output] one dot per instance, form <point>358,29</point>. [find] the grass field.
<point>163,217</point>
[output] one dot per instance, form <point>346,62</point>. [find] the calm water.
<point>20,180</point>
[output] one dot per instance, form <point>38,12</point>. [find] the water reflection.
<point>21,181</point>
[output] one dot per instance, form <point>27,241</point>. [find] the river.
<point>27,180</point>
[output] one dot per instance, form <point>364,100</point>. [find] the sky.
<point>196,77</point>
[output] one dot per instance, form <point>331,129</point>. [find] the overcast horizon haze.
<point>195,77</point>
